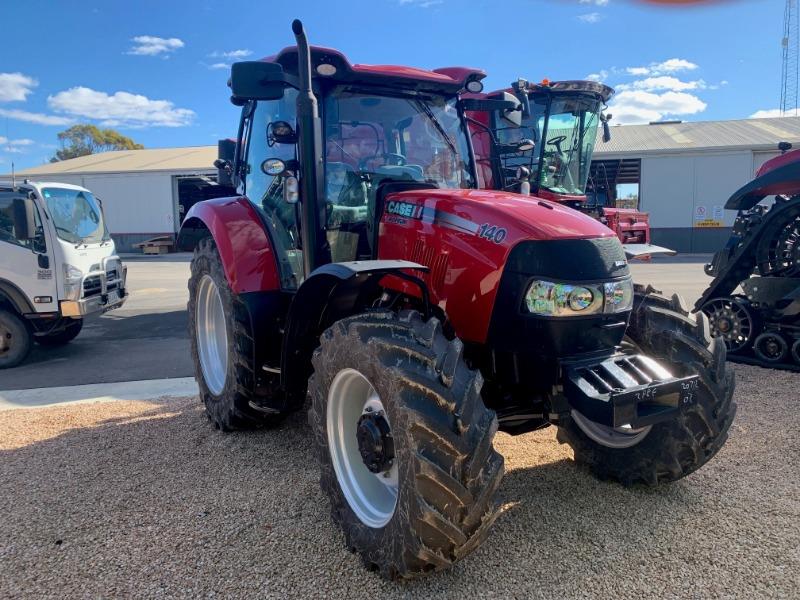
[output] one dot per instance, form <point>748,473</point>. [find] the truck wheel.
<point>66,335</point>
<point>15,340</point>
<point>221,343</point>
<point>664,330</point>
<point>404,442</point>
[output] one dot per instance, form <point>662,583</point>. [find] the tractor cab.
<point>561,119</point>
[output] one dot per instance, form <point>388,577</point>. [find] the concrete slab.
<point>100,392</point>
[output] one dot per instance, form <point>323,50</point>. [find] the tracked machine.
<point>360,266</point>
<point>753,301</point>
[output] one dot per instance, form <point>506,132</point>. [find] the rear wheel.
<point>664,330</point>
<point>15,340</point>
<point>222,345</point>
<point>404,442</point>
<point>66,335</point>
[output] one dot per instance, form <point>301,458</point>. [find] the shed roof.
<point>753,134</point>
<point>192,158</point>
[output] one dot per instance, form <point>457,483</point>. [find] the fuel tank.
<point>466,236</point>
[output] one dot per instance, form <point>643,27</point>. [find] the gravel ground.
<point>146,499</point>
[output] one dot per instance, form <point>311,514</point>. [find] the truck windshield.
<point>76,215</point>
<point>370,137</point>
<point>568,138</point>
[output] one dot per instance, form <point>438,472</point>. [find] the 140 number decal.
<point>493,233</point>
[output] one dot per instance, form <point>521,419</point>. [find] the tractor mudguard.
<point>241,239</point>
<point>783,179</point>
<point>638,250</point>
<point>330,293</point>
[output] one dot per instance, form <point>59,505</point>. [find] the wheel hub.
<point>730,319</point>
<point>375,443</point>
<point>5,340</point>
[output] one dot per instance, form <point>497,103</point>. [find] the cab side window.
<point>265,191</point>
<point>9,229</point>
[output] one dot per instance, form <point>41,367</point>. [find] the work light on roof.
<point>326,69</point>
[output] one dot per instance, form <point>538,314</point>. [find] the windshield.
<point>76,215</point>
<point>564,133</point>
<point>568,138</point>
<point>370,137</point>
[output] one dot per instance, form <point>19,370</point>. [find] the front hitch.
<point>626,390</point>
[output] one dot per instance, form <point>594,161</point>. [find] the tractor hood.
<point>468,211</point>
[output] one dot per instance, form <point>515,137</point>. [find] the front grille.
<point>93,286</point>
<point>622,373</point>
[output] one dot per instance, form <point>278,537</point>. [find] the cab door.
<point>25,262</point>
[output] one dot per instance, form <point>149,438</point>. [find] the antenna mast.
<point>789,60</point>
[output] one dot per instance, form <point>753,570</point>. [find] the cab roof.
<point>442,80</point>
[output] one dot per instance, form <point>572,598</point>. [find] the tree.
<point>80,140</point>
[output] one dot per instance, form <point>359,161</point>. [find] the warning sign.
<point>700,213</point>
<point>702,218</point>
<point>708,223</point>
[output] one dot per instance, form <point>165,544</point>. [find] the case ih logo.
<point>405,209</point>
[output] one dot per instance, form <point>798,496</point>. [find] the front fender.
<point>242,241</point>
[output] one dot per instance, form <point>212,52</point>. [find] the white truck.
<point>58,265</point>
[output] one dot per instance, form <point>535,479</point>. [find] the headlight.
<point>570,300</point>
<point>72,282</point>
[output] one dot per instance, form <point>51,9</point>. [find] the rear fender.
<point>241,238</point>
<point>330,293</point>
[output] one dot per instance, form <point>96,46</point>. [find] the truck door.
<point>26,263</point>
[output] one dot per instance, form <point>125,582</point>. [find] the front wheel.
<point>404,442</point>
<point>663,329</point>
<point>15,340</point>
<point>65,336</point>
<point>222,345</point>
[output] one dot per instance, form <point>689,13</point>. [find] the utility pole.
<point>789,60</point>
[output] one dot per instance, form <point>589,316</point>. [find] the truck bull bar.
<point>111,294</point>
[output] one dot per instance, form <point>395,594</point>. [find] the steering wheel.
<point>557,141</point>
<point>389,158</point>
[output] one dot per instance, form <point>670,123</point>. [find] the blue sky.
<point>156,71</point>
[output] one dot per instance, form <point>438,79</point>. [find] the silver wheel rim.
<point>371,496</point>
<point>212,335</point>
<point>610,437</point>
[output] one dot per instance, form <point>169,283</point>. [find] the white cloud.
<point>15,87</point>
<point>420,3</point>
<point>595,2</point>
<point>219,66</point>
<point>637,106</point>
<point>232,54</point>
<point>672,65</point>
<point>770,113</point>
<point>121,109</point>
<point>601,75</point>
<point>592,17</point>
<point>36,118</point>
<point>16,146</point>
<point>149,45</point>
<point>663,82</point>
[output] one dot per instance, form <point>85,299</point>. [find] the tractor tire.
<point>445,470</point>
<point>665,330</point>
<point>223,362</point>
<point>65,336</point>
<point>15,340</point>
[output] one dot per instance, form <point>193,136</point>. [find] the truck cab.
<point>58,265</point>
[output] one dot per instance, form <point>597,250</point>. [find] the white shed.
<point>685,172</point>
<point>144,192</point>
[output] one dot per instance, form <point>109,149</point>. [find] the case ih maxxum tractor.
<point>761,325</point>
<point>360,266</point>
<point>560,121</point>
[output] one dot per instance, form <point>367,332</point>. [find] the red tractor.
<point>559,121</point>
<point>359,264</point>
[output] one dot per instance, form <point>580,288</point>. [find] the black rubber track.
<point>664,329</point>
<point>449,471</point>
<point>65,336</point>
<point>231,409</point>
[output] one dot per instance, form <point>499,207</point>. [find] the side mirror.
<point>525,145</point>
<point>281,132</point>
<point>606,129</point>
<point>512,116</point>
<point>226,150</point>
<point>24,211</point>
<point>257,80</point>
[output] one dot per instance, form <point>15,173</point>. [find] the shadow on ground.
<point>146,499</point>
